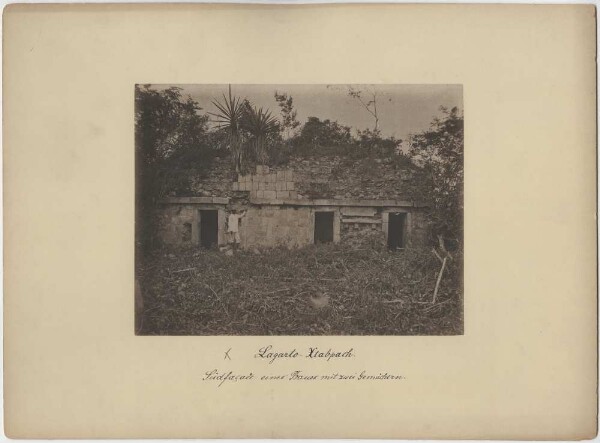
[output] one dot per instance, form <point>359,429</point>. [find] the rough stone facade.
<point>277,206</point>
<point>179,218</point>
<point>368,178</point>
<point>276,226</point>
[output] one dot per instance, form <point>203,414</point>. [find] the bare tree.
<point>367,96</point>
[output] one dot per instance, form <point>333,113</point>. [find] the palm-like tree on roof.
<point>229,118</point>
<point>260,124</point>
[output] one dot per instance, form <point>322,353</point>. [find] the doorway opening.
<point>323,227</point>
<point>397,230</point>
<point>209,227</point>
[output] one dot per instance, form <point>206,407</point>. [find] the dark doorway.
<point>396,230</point>
<point>209,227</point>
<point>323,227</point>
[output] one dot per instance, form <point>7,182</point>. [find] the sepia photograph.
<point>299,209</point>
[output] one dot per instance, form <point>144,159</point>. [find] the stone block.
<point>253,193</point>
<point>259,194</point>
<point>361,220</point>
<point>280,186</point>
<point>283,194</point>
<point>269,186</point>
<point>290,186</point>
<point>270,194</point>
<point>240,177</point>
<point>280,176</point>
<point>358,212</point>
<point>259,169</point>
<point>265,169</point>
<point>261,186</point>
<point>235,186</point>
<point>289,175</point>
<point>293,194</point>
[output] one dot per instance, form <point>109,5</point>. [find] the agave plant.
<point>259,124</point>
<point>229,118</point>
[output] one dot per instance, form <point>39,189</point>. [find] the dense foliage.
<point>440,152</point>
<point>172,145</point>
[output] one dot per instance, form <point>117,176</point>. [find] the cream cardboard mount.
<point>526,367</point>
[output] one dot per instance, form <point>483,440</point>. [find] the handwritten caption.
<point>224,377</point>
<point>267,353</point>
<point>270,355</point>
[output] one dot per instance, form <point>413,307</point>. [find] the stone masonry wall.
<point>340,177</point>
<point>317,177</point>
<point>217,181</point>
<point>283,221</point>
<point>419,229</point>
<point>276,226</point>
<point>290,226</point>
<point>357,234</point>
<point>175,224</point>
<point>269,184</point>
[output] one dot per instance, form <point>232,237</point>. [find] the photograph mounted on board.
<point>299,209</point>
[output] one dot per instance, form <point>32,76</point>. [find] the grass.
<point>316,290</point>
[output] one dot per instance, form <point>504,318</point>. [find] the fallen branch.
<point>435,306</point>
<point>447,256</point>
<point>442,247</point>
<point>439,279</point>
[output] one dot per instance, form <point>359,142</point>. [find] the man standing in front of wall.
<point>233,227</point>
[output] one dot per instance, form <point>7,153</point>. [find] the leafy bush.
<point>169,133</point>
<point>316,134</point>
<point>440,152</point>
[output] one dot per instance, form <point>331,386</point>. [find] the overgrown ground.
<point>317,290</point>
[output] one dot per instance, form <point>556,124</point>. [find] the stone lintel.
<point>361,220</point>
<point>297,202</point>
<point>196,200</point>
<point>333,202</point>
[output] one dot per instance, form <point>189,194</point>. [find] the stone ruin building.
<point>308,200</point>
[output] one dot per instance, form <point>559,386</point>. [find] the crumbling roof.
<point>329,177</point>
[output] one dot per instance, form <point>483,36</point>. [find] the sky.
<point>402,109</point>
